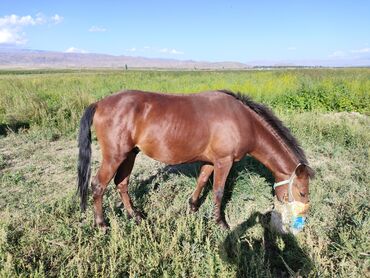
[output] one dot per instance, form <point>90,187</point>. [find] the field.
<point>43,233</point>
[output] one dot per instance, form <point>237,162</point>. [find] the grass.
<point>54,100</point>
<point>43,234</point>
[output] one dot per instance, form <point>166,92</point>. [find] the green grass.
<point>43,234</point>
<point>53,100</point>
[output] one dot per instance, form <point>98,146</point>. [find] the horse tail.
<point>84,155</point>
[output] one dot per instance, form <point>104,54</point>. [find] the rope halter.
<point>290,184</point>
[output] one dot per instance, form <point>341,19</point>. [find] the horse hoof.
<point>102,227</point>
<point>193,206</point>
<point>137,216</point>
<point>223,224</point>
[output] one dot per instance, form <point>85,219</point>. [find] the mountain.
<point>25,58</point>
<point>14,58</point>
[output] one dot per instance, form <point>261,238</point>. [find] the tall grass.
<point>55,100</point>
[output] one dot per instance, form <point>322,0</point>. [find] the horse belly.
<point>170,153</point>
<point>171,147</point>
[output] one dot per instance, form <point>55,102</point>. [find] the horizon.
<point>207,31</point>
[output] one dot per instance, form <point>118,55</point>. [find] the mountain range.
<point>26,58</point>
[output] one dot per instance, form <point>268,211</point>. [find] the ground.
<point>43,233</point>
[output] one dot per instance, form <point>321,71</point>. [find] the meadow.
<point>43,233</point>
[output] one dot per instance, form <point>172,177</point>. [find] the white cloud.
<point>362,50</point>
<point>11,26</point>
<point>338,54</point>
<point>97,29</point>
<point>153,50</point>
<point>16,21</point>
<point>57,18</point>
<point>11,36</point>
<point>174,51</point>
<point>354,53</point>
<point>75,50</point>
<point>171,51</point>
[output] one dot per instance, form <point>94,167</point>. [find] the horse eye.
<point>302,194</point>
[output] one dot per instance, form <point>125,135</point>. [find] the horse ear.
<point>311,172</point>
<point>304,169</point>
<point>300,170</point>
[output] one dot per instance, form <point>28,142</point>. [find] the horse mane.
<point>274,122</point>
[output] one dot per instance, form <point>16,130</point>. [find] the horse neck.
<point>271,150</point>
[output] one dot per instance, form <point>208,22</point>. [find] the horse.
<point>216,128</point>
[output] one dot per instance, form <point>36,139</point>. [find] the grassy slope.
<point>43,233</point>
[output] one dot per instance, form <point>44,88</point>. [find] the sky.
<point>199,30</point>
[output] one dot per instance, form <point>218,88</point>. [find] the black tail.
<point>84,155</point>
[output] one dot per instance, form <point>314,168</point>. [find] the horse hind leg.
<point>205,172</point>
<point>99,184</point>
<point>122,180</point>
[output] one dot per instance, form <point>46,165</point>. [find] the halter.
<point>290,184</point>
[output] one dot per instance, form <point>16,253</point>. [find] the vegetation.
<point>43,234</point>
<point>55,99</point>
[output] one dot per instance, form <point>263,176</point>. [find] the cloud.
<point>75,50</point>
<point>338,54</point>
<point>17,21</point>
<point>57,19</point>
<point>362,50</point>
<point>171,51</point>
<point>153,50</point>
<point>11,26</point>
<point>292,48</point>
<point>11,36</point>
<point>354,53</point>
<point>97,29</point>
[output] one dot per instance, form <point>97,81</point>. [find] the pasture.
<point>43,233</point>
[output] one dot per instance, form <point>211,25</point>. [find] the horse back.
<point>174,128</point>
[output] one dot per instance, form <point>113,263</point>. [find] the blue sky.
<point>200,30</point>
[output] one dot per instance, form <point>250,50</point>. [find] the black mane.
<point>274,122</point>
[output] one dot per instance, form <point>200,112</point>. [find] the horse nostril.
<point>302,194</point>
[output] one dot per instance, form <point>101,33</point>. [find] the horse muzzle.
<point>289,217</point>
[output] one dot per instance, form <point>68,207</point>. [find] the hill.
<point>13,58</point>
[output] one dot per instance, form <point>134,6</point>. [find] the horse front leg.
<point>221,171</point>
<point>205,172</point>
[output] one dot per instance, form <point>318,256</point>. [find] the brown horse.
<point>217,128</point>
